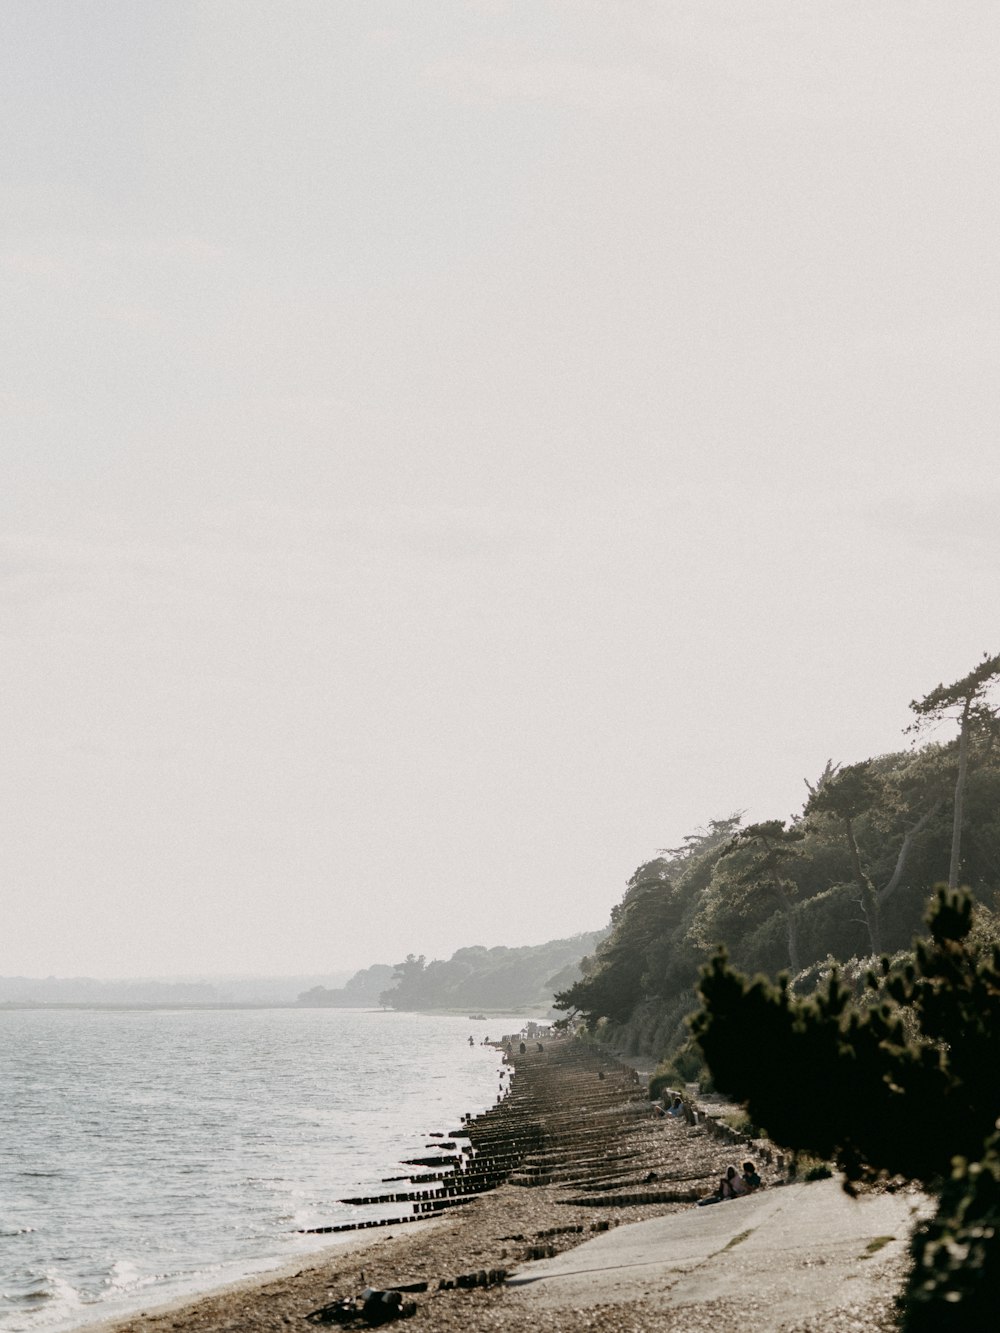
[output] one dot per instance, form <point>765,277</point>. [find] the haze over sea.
<point>148,1154</point>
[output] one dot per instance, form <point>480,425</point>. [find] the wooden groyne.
<point>566,1114</point>
<point>576,1118</point>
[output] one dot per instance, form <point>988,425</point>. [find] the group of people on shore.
<point>733,1185</point>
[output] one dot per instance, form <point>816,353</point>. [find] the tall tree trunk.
<point>956,831</point>
<point>869,898</point>
<point>872,916</point>
<point>791,926</point>
<point>887,890</point>
<point>792,930</point>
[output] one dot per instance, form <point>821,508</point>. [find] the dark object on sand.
<point>482,1278</point>
<point>337,1312</point>
<point>382,1307</point>
<point>375,1307</point>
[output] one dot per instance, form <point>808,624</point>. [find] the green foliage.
<point>659,1079</point>
<point>864,1075</point>
<point>879,1084</point>
<point>850,877</point>
<point>649,955</point>
<point>966,694</point>
<point>686,1065</point>
<point>978,729</point>
<point>845,793</point>
<point>956,1254</point>
<point>887,1063</point>
<point>911,1086</point>
<point>818,1172</point>
<point>752,883</point>
<point>741,1123</point>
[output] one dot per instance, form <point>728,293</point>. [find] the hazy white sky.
<point>453,450</point>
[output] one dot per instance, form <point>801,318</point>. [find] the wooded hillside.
<point>847,878</point>
<point>498,978</point>
<point>473,978</point>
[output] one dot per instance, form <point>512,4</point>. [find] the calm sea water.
<point>148,1154</point>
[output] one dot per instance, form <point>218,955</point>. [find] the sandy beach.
<point>582,1155</point>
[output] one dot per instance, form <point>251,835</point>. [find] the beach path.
<point>799,1255</point>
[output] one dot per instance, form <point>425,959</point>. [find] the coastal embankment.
<point>525,1217</point>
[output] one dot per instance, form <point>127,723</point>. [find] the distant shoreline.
<point>531,1012</point>
<point>147,1004</point>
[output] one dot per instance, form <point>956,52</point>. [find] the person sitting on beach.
<point>677,1109</point>
<point>750,1177</point>
<point>731,1186</point>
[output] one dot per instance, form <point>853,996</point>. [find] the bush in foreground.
<point>909,1085</point>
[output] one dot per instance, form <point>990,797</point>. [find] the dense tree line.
<point>849,877</point>
<point>473,978</point>
<point>887,1065</point>
<point>497,978</point>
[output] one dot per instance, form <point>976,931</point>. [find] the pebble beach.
<point>571,1151</point>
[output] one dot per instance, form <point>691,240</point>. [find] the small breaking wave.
<point>124,1275</point>
<point>31,1290</point>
